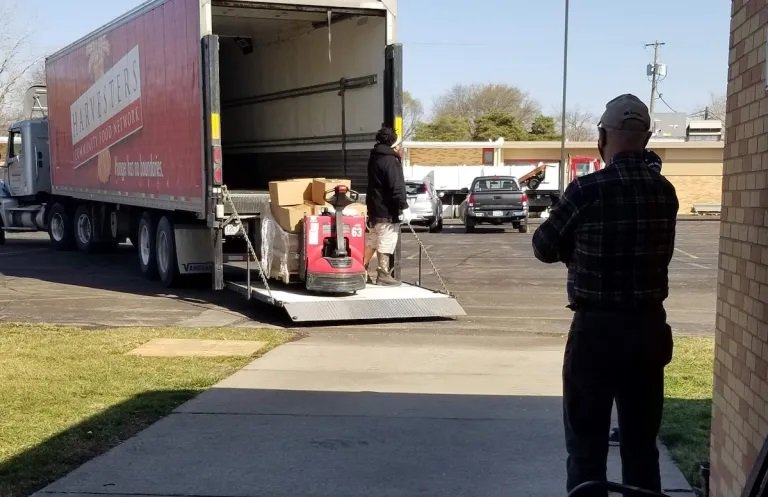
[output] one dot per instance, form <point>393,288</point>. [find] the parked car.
<point>495,200</point>
<point>424,206</point>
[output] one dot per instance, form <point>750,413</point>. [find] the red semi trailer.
<point>166,125</point>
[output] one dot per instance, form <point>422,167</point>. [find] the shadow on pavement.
<point>40,465</point>
<point>117,271</point>
<point>245,441</point>
<point>281,443</point>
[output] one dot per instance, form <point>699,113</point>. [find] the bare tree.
<point>471,102</point>
<point>715,109</point>
<point>413,112</point>
<point>580,125</point>
<point>15,65</point>
<point>36,75</point>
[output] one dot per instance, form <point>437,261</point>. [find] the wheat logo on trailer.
<point>107,112</point>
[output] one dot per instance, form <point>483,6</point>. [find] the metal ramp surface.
<point>372,303</point>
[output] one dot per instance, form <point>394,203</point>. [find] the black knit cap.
<point>386,136</point>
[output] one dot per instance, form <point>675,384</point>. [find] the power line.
<point>661,97</point>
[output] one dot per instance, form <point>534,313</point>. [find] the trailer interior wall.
<point>290,136</point>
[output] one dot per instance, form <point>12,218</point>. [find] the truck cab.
<point>26,177</point>
<point>581,166</point>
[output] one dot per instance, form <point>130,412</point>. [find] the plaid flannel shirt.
<point>615,231</point>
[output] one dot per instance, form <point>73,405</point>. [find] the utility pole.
<point>653,72</point>
<point>563,167</point>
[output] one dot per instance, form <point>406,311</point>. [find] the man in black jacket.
<point>386,201</point>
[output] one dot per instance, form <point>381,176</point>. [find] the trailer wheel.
<point>523,227</point>
<point>534,183</point>
<point>167,267</point>
<point>84,229</point>
<point>148,245</point>
<point>61,229</point>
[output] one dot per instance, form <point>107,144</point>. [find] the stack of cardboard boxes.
<point>293,199</point>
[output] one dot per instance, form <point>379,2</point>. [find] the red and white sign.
<point>109,111</point>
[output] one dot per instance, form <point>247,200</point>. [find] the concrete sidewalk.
<point>360,414</point>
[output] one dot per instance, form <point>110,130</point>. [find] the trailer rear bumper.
<point>372,303</point>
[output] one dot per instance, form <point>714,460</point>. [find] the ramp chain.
<point>235,217</point>
<point>429,259</point>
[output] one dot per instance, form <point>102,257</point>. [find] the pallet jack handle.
<point>341,198</point>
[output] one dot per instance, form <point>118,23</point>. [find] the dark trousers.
<point>615,356</point>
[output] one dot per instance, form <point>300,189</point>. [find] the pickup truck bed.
<point>495,200</point>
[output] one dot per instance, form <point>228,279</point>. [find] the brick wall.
<point>740,412</point>
<point>695,189</point>
<point>446,156</point>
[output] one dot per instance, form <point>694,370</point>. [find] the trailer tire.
<point>61,229</point>
<point>84,229</point>
<point>167,267</point>
<point>534,183</point>
<point>147,249</point>
<point>523,228</point>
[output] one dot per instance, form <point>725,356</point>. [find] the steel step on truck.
<point>166,125</point>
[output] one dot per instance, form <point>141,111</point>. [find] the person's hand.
<point>652,160</point>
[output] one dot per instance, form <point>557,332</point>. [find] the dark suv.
<point>495,200</point>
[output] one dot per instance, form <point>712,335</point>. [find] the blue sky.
<point>517,42</point>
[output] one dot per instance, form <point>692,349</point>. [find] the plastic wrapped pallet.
<point>275,247</point>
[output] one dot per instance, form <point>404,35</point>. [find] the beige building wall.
<point>697,175</point>
<point>696,170</point>
<point>446,156</point>
<point>546,154</point>
<point>740,413</point>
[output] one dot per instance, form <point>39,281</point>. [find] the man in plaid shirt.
<point>615,231</point>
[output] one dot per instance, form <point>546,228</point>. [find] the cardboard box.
<point>289,216</point>
<point>290,192</point>
<point>321,185</point>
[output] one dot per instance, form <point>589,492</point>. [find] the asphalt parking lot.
<point>493,273</point>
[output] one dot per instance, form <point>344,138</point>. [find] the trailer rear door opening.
<point>302,91</point>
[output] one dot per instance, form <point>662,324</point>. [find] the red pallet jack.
<point>332,247</point>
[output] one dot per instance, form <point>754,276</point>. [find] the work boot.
<point>384,276</point>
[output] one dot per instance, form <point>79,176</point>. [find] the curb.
<point>698,218</point>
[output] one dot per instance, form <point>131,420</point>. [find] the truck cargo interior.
<point>298,88</point>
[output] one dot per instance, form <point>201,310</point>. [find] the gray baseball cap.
<point>625,108</point>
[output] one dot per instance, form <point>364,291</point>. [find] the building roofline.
<point>549,145</point>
